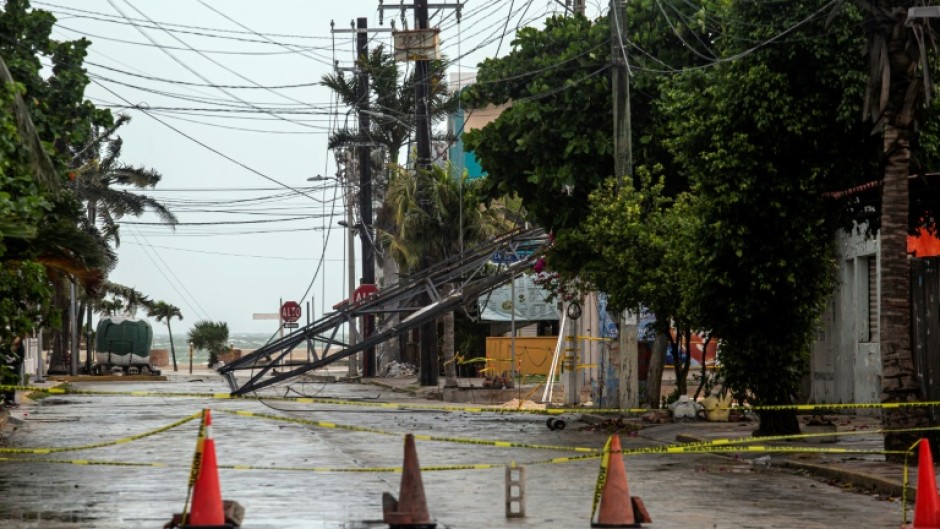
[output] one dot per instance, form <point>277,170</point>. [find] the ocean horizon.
<point>247,341</point>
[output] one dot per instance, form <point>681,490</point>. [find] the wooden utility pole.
<point>620,73</point>
<point>430,364</point>
<point>579,6</point>
<point>623,167</point>
<point>429,370</point>
<point>365,187</point>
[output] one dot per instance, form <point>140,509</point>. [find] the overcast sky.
<point>242,155</point>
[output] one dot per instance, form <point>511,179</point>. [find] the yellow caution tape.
<point>444,439</point>
<point>123,440</point>
<point>338,402</point>
<point>601,477</point>
<point>467,409</point>
<point>196,464</point>
<point>85,462</point>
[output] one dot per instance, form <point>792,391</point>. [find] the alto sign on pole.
<point>290,311</point>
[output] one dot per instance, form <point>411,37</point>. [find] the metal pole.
<point>39,362</point>
<point>73,325</point>
<point>365,188</point>
<point>88,344</point>
<point>512,327</point>
<point>190,358</point>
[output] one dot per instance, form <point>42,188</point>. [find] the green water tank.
<point>121,341</point>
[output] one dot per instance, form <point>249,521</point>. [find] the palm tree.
<point>211,336</point>
<point>94,181</point>
<point>435,230</point>
<point>895,96</point>
<point>392,113</point>
<point>392,102</point>
<point>163,311</point>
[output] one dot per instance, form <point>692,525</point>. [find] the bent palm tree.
<point>163,311</point>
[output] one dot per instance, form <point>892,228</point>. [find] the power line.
<point>212,149</point>
<point>227,254</point>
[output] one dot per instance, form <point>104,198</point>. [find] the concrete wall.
<point>846,362</point>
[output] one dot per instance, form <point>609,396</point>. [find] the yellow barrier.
<point>5,450</point>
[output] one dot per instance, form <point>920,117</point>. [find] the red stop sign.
<point>290,311</point>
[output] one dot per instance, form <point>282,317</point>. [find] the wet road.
<point>680,491</point>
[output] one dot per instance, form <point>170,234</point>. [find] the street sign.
<point>293,325</point>
<point>417,45</point>
<point>290,311</point>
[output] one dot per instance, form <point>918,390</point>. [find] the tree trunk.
<point>450,361</point>
<point>390,350</point>
<point>681,366</point>
<point>58,360</point>
<point>782,422</point>
<point>172,347</point>
<point>654,376</point>
<point>898,378</point>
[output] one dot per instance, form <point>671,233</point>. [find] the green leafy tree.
<point>634,245</point>
<point>24,294</point>
<point>63,121</point>
<point>763,138</point>
<point>210,336</point>
<point>163,311</point>
<point>549,146</point>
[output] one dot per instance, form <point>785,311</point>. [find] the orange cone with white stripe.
<point>206,509</point>
<point>617,507</point>
<point>927,503</point>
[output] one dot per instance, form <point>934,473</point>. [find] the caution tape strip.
<point>196,465</point>
<point>511,444</point>
<point>601,477</point>
<point>466,409</point>
<point>445,468</point>
<point>103,444</point>
<point>422,437</point>
<point>905,481</point>
<point>318,400</point>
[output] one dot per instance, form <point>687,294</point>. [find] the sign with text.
<point>417,45</point>
<point>531,303</point>
<point>290,311</point>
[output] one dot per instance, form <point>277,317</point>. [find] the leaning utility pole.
<point>365,187</point>
<point>623,167</point>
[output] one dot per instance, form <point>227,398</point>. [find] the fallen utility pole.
<point>465,271</point>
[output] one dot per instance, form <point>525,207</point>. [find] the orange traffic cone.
<point>411,509</point>
<point>617,507</point>
<point>206,509</point>
<point>927,504</point>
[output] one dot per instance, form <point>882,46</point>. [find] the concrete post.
<point>515,491</point>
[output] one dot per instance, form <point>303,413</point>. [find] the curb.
<point>862,480</point>
<point>386,385</point>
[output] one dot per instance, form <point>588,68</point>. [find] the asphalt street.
<point>680,491</point>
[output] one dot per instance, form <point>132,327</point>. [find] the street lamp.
<point>351,261</point>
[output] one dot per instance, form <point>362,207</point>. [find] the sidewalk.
<point>863,472</point>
